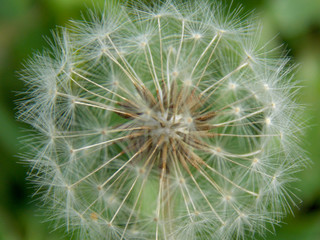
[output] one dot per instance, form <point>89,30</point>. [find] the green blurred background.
<point>23,23</point>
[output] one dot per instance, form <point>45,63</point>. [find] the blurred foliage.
<point>23,23</point>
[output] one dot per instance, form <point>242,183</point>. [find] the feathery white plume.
<point>163,122</point>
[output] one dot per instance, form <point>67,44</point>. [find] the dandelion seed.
<point>163,123</point>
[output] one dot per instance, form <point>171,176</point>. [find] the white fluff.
<point>112,162</point>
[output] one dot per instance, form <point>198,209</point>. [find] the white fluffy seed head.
<point>163,122</point>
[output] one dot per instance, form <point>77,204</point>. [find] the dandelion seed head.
<point>162,122</point>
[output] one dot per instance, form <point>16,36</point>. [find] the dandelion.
<point>163,122</point>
